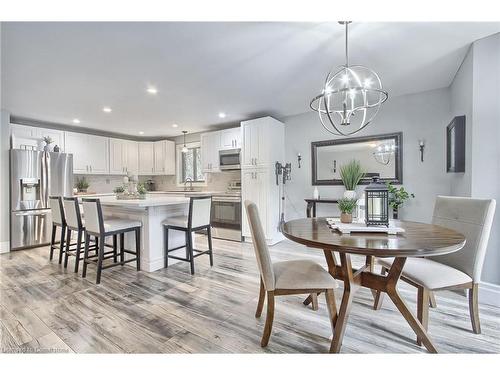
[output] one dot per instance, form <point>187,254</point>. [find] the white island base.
<point>151,211</point>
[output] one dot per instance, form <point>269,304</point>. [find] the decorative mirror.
<point>379,155</point>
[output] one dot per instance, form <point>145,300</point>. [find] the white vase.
<point>316,193</point>
<point>350,194</point>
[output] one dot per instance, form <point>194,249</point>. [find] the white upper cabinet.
<point>210,146</point>
<point>259,146</point>
<point>90,153</point>
<point>230,138</point>
<point>117,156</point>
<point>164,153</point>
<point>132,157</point>
<point>146,158</point>
<point>76,144</point>
<point>23,135</point>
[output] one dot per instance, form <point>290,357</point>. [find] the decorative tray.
<point>360,227</point>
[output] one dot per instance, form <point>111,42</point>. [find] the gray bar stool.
<point>75,223</point>
<point>58,220</point>
<point>96,226</point>
<point>198,219</point>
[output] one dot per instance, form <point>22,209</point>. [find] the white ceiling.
<point>60,71</point>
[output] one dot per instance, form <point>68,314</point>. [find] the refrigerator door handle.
<point>44,195</point>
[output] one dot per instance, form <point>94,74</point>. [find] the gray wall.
<point>461,104</point>
<point>419,116</point>
<point>485,130</point>
<point>4,181</point>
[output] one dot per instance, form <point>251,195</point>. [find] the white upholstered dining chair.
<point>459,270</point>
<point>286,278</point>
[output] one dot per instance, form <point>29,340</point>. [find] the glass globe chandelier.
<point>351,97</point>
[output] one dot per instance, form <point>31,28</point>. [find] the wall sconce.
<point>299,158</point>
<point>421,144</point>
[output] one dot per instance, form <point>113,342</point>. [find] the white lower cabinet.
<point>90,153</point>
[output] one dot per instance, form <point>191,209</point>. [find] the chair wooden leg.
<point>86,254</point>
<point>474,308</point>
<point>314,301</point>
<point>78,250</point>
<point>379,296</point>
<point>209,237</point>
<point>138,247</point>
<point>165,234</point>
<point>423,309</point>
<point>269,320</point>
<point>61,244</point>
<point>100,259</point>
<point>68,243</point>
<point>262,297</point>
<point>122,248</point>
<point>52,241</point>
<point>332,307</point>
<point>432,300</point>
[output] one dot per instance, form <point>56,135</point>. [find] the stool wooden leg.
<point>209,236</point>
<point>122,248</point>
<point>61,244</point>
<point>86,254</point>
<point>68,243</point>
<point>165,231</point>
<point>138,247</point>
<point>100,259</point>
<point>115,248</point>
<point>190,249</point>
<point>52,242</point>
<point>78,249</point>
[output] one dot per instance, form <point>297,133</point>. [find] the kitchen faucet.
<point>188,179</point>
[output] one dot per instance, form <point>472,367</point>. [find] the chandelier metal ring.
<point>351,97</point>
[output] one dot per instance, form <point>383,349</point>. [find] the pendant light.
<point>184,148</point>
<point>351,97</point>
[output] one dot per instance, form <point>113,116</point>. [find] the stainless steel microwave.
<point>229,159</point>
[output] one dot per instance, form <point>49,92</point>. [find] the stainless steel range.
<point>226,213</point>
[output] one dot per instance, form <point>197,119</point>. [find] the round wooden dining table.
<point>417,240</point>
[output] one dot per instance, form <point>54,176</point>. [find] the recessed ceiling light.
<point>106,109</point>
<point>76,121</point>
<point>222,115</point>
<point>175,125</point>
<point>141,133</point>
<point>152,90</point>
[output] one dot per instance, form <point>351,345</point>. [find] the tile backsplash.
<point>106,183</point>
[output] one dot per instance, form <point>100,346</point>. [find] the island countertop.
<point>150,201</point>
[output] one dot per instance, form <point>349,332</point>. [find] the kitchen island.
<point>151,211</point>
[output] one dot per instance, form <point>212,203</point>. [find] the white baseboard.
<point>489,294</point>
<point>4,247</point>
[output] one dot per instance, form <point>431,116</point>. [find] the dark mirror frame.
<point>398,139</point>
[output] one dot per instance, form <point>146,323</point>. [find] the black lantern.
<point>377,203</point>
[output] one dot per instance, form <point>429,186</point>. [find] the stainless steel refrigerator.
<point>34,176</point>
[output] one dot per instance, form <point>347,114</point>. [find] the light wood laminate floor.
<point>45,308</point>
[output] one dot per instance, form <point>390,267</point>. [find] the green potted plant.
<point>48,140</point>
<point>346,206</point>
<point>351,174</point>
<point>397,197</point>
<point>119,190</point>
<point>141,190</point>
<point>82,184</point>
